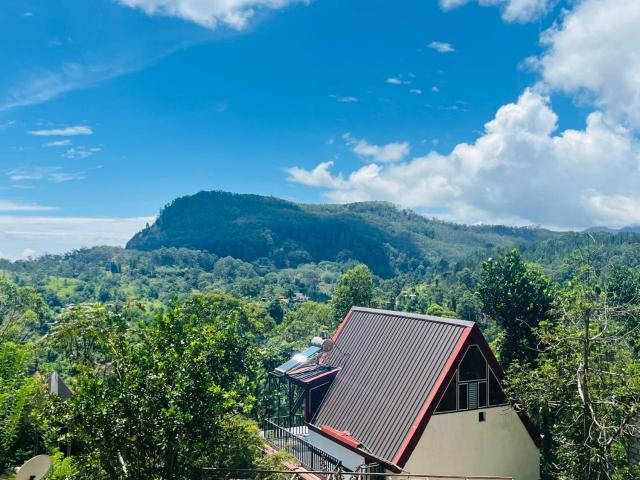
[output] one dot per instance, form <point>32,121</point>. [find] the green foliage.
<point>518,297</point>
<point>162,407</point>
<point>353,289</point>
<point>20,395</point>
<point>81,332</point>
<point>299,326</point>
<point>22,311</point>
<point>585,387</point>
<point>440,311</point>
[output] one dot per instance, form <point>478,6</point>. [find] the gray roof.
<point>57,386</point>
<point>391,362</point>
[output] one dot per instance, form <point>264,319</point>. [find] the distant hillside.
<point>629,229</point>
<point>388,239</point>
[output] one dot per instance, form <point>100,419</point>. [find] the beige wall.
<point>458,444</point>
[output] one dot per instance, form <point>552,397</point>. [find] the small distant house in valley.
<point>401,392</point>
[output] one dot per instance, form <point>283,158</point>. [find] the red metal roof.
<point>394,368</point>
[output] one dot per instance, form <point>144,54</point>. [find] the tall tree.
<point>353,288</point>
<point>518,296</point>
<point>587,381</point>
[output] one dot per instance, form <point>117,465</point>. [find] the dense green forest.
<point>184,323</point>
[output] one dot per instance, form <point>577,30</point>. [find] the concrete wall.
<point>458,444</point>
<point>350,460</point>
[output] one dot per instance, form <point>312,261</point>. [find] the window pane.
<point>482,394</point>
<point>496,395</point>
<point>448,400</point>
<point>462,396</point>
<point>473,365</point>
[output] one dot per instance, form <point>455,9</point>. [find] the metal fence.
<point>308,455</point>
<point>239,474</point>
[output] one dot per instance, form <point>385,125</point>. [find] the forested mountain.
<point>266,248</point>
<point>388,239</point>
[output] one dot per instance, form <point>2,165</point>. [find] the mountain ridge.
<point>252,227</point>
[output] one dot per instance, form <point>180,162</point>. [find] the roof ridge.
<point>416,316</point>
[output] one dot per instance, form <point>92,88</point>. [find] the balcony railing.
<point>308,455</point>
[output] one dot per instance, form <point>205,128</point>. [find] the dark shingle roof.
<point>392,363</point>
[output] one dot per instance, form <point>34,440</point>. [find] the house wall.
<point>350,460</point>
<point>458,444</point>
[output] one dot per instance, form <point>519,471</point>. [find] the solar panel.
<point>298,359</point>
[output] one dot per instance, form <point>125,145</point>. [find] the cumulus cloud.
<point>63,132</point>
<point>389,153</point>
<point>594,52</point>
<point>520,170</point>
<point>209,13</point>
<point>35,235</point>
<point>416,91</point>
<point>512,10</point>
<point>441,47</point>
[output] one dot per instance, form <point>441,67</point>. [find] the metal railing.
<point>308,455</point>
<point>240,474</point>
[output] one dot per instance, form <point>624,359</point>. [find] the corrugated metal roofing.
<point>307,373</point>
<point>391,361</point>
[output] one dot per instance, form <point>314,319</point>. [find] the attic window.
<point>448,401</point>
<point>473,366</point>
<point>496,395</point>
<point>473,386</point>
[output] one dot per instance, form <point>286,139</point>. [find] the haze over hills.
<point>388,239</point>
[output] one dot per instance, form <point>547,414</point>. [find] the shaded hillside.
<point>286,234</point>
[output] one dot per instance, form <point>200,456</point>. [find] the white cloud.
<point>520,170</point>
<point>32,236</point>
<point>340,99</point>
<point>441,47</point>
<point>53,174</point>
<point>58,143</point>
<point>451,4</point>
<point>435,89</point>
<point>512,10</point>
<point>209,13</point>
<point>44,85</point>
<point>594,52</point>
<point>415,91</point>
<point>389,153</point>
<point>397,81</point>
<point>63,132</point>
<point>9,206</point>
<point>80,152</point>
<point>318,177</point>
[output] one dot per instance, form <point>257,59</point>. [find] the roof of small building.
<point>393,367</point>
<point>56,386</point>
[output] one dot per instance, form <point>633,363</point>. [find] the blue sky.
<point>110,109</point>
